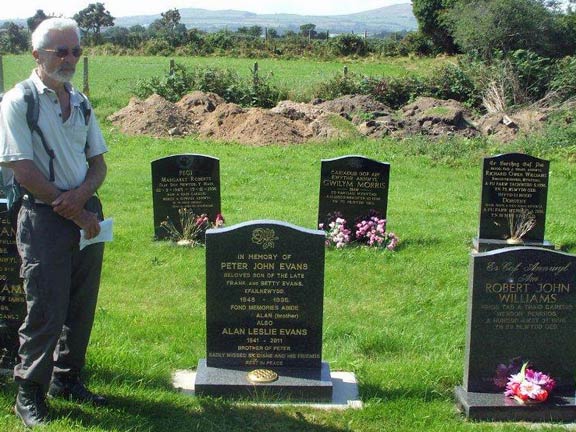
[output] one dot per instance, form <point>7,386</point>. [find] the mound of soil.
<point>199,103</point>
<point>505,128</point>
<point>332,126</point>
<point>291,123</point>
<point>155,116</point>
<point>349,105</point>
<point>255,126</point>
<point>435,117</point>
<point>297,111</point>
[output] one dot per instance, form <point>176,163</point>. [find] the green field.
<point>397,320</point>
<point>113,78</point>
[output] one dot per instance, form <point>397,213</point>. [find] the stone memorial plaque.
<point>521,307</point>
<point>264,308</point>
<point>264,296</point>
<point>353,186</point>
<point>12,297</point>
<point>186,181</point>
<point>514,189</point>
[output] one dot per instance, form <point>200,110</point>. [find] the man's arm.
<point>30,177</point>
<point>70,203</point>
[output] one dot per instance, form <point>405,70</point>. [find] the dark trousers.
<point>61,284</point>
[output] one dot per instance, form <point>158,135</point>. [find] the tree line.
<point>169,36</point>
<point>477,27</point>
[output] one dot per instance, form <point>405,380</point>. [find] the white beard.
<point>61,76</point>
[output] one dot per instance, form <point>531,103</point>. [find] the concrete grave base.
<point>486,245</point>
<point>497,407</point>
<point>342,386</point>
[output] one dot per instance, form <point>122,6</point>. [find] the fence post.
<point>86,87</point>
<point>255,80</point>
<point>171,66</point>
<point>1,75</point>
<point>345,71</point>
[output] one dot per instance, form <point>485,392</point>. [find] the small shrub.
<point>154,47</point>
<point>563,82</point>
<point>171,87</point>
<point>453,82</point>
<point>396,92</point>
<point>224,82</point>
<point>348,45</point>
<point>339,85</point>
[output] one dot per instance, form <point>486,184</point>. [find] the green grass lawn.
<point>397,320</point>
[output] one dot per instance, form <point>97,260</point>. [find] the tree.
<point>349,44</point>
<point>484,27</point>
<point>308,30</point>
<point>254,31</point>
<point>13,38</point>
<point>35,20</point>
<point>169,28</point>
<point>430,15</point>
<point>117,35</point>
<point>92,19</point>
<point>272,33</point>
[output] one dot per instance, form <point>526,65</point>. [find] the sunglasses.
<point>63,52</point>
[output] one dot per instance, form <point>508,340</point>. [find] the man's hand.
<point>69,204</point>
<point>89,222</point>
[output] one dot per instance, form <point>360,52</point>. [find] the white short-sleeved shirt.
<point>68,139</point>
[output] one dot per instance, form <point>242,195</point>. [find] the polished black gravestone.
<point>12,297</point>
<point>354,187</point>
<point>521,307</point>
<point>514,191</point>
<point>264,307</point>
<point>185,181</point>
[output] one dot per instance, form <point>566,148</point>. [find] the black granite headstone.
<point>185,181</point>
<point>12,297</point>
<point>521,307</point>
<point>264,307</point>
<point>354,187</point>
<point>514,192</point>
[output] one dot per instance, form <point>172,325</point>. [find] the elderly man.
<point>59,178</point>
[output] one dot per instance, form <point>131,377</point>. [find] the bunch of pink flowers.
<point>337,234</point>
<point>529,386</point>
<point>372,231</point>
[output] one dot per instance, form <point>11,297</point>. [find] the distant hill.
<point>390,18</point>
<point>386,19</point>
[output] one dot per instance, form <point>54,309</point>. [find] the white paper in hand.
<point>104,236</point>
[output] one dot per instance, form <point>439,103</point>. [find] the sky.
<point>119,8</point>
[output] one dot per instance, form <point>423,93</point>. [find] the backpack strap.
<point>86,108</point>
<point>86,112</point>
<point>32,114</point>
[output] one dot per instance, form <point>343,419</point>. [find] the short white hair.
<point>40,35</point>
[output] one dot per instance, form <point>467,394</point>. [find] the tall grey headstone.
<point>521,308</point>
<point>184,181</point>
<point>355,187</point>
<point>264,308</point>
<point>12,297</point>
<point>514,195</point>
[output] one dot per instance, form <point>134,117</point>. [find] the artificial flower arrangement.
<point>529,386</point>
<point>193,227</point>
<point>370,231</point>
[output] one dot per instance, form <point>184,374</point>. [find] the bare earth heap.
<point>209,116</point>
